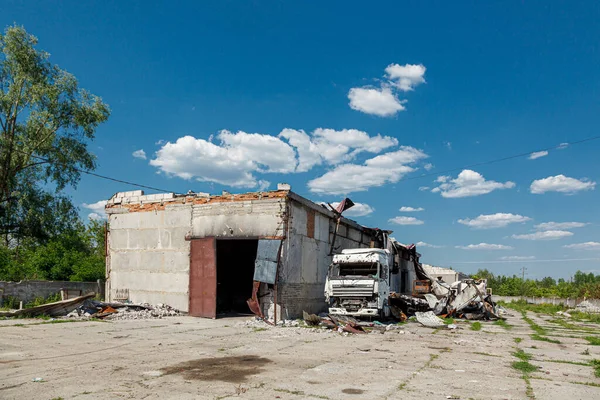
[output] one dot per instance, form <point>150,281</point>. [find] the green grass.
<point>524,366</point>
<point>258,329</point>
<point>448,321</point>
<point>476,326</point>
<point>522,305</point>
<point>596,365</point>
<point>536,328</point>
<point>587,383</point>
<point>503,323</point>
<point>541,338</point>
<point>518,340</point>
<point>593,340</point>
<point>521,355</point>
<point>568,362</point>
<point>582,316</point>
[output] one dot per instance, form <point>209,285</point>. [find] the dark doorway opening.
<point>235,273</point>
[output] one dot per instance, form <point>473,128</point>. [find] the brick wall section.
<point>27,291</point>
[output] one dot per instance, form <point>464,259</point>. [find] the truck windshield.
<point>355,269</point>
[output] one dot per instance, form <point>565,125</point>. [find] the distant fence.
<point>27,291</point>
<point>547,300</point>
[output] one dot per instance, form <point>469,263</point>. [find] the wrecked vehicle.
<point>358,283</point>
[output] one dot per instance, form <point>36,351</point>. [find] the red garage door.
<point>203,278</point>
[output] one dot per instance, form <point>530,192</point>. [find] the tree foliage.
<point>46,122</point>
<point>582,285</point>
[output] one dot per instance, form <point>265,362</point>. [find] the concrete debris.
<point>122,311</point>
<point>430,320</point>
<point>587,307</point>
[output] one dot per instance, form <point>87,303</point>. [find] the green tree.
<point>46,122</point>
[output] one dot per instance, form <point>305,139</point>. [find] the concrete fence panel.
<point>27,291</point>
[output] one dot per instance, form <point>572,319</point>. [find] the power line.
<point>560,146</point>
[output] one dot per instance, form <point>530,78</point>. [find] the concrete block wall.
<point>27,291</point>
<point>149,255</point>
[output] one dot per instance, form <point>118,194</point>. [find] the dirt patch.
<point>352,391</point>
<point>226,369</point>
<point>313,382</point>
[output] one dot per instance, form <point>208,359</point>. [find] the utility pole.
<point>523,269</point>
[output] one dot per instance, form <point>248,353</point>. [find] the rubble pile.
<point>121,311</point>
<point>587,307</point>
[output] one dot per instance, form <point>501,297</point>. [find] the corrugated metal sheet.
<point>265,266</point>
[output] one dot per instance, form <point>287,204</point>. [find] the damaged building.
<point>209,254</point>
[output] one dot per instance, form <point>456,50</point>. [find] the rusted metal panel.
<point>203,278</point>
<point>265,266</point>
<point>310,224</point>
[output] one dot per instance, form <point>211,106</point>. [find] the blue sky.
<point>341,98</point>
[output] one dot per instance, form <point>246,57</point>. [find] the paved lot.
<point>190,358</point>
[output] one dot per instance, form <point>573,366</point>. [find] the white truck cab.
<point>358,283</point>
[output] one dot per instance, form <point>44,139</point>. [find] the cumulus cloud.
<point>424,188</point>
<point>550,226</point>
<point>538,154</point>
<point>377,101</point>
<point>97,208</point>
<point>411,209</point>
<point>424,244</point>
<point>517,258</point>
<point>333,147</point>
<point>468,183</point>
<point>358,210</point>
<point>544,235</point>
<point>386,168</point>
<point>232,162</point>
<point>485,246</point>
<point>405,77</point>
<point>405,221</point>
<point>139,154</point>
<point>428,166</point>
<point>584,246</point>
<point>561,184</point>
<point>498,220</point>
<point>383,101</point>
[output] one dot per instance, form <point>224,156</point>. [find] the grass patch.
<point>518,340</point>
<point>593,340</point>
<point>570,326</point>
<point>541,338</point>
<point>485,354</point>
<point>583,316</point>
<point>587,383</point>
<point>448,321</point>
<point>255,329</point>
<point>529,389</point>
<point>524,366</point>
<point>596,365</point>
<point>503,323</point>
<point>522,305</point>
<point>521,355</point>
<point>569,362</point>
<point>536,328</point>
<point>476,326</point>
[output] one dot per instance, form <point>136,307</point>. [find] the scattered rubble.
<point>122,311</point>
<point>587,307</point>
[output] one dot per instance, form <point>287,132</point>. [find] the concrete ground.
<point>192,358</point>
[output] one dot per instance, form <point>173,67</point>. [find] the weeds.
<point>522,305</point>
<point>503,324</point>
<point>524,366</point>
<point>541,338</point>
<point>476,326</point>
<point>255,329</point>
<point>593,340</point>
<point>587,383</point>
<point>520,354</point>
<point>518,340</point>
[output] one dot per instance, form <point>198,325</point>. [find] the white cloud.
<point>263,185</point>
<point>544,235</point>
<point>385,168</point>
<point>383,101</point>
<point>561,184</point>
<point>405,221</point>
<point>584,246</point>
<point>411,209</point>
<point>563,146</point>
<point>139,154</point>
<point>468,183</point>
<point>377,101</point>
<point>333,147</point>
<point>424,244</point>
<point>405,77</point>
<point>538,154</point>
<point>428,166</point>
<point>498,220</point>
<point>98,209</point>
<point>517,258</point>
<point>448,145</point>
<point>423,188</point>
<point>96,217</point>
<point>358,210</point>
<point>232,162</point>
<point>550,226</point>
<point>485,246</point>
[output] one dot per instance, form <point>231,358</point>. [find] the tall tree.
<point>46,123</point>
